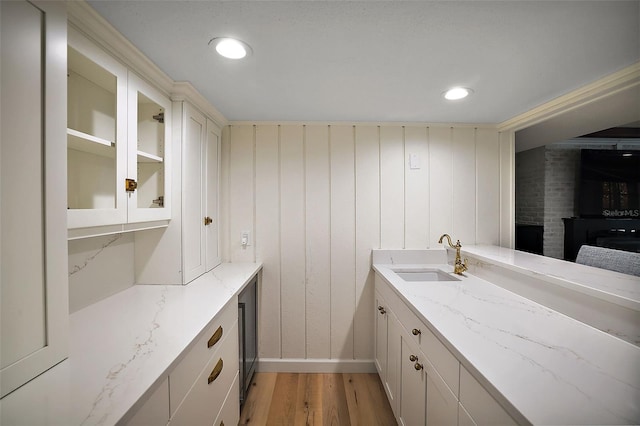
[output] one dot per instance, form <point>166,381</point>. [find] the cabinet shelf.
<point>85,142</point>
<point>145,157</point>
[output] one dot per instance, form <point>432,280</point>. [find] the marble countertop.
<point>621,289</point>
<point>120,347</point>
<point>550,368</point>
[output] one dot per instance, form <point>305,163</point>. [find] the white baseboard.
<point>297,365</point>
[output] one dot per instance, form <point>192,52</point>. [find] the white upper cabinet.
<point>117,132</point>
<point>149,159</point>
<point>34,287</point>
<point>194,225</point>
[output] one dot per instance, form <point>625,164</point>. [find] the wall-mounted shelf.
<point>85,142</point>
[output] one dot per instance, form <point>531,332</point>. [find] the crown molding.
<point>617,82</point>
<point>184,91</point>
<point>364,123</point>
<point>86,20</point>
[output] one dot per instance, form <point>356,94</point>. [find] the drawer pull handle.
<point>216,372</point>
<point>215,338</point>
<point>416,331</point>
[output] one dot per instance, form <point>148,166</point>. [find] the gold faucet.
<point>458,267</point>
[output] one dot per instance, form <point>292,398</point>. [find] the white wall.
<point>317,198</point>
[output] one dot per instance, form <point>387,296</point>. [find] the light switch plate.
<point>414,161</point>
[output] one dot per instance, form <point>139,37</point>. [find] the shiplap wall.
<point>317,198</point>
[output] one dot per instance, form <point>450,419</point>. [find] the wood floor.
<point>292,399</point>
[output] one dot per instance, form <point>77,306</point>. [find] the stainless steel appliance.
<point>248,332</point>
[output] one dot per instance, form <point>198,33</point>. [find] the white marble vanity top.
<point>551,368</point>
<point>120,346</point>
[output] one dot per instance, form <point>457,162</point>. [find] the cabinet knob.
<point>413,358</point>
<point>208,221</point>
<point>382,311</point>
<point>416,331</point>
<point>418,366</point>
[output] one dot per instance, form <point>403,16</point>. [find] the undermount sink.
<point>422,275</point>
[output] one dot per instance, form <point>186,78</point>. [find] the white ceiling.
<point>379,61</point>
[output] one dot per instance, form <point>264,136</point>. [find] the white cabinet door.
<point>34,286</point>
<point>442,405</point>
<point>211,184</point>
<point>479,404</point>
<point>413,378</point>
<point>189,246</point>
<point>394,353</point>
<point>149,152</point>
<point>194,151</point>
<point>96,135</point>
<point>380,355</point>
<point>118,131</point>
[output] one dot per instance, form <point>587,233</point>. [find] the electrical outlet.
<point>245,238</point>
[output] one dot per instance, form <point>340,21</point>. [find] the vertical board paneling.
<point>416,198</point>
<point>488,180</point>
<point>392,187</point>
<point>292,241</point>
<point>267,238</point>
<point>326,195</point>
<point>367,163</point>
<point>464,185</point>
<point>342,241</point>
<point>440,183</point>
<point>241,191</point>
<point>318,228</point>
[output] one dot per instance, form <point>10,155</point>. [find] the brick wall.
<point>530,175</point>
<point>561,174</point>
<point>547,181</point>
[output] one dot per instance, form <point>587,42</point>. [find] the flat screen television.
<point>609,183</point>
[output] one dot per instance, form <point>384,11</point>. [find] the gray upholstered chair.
<point>615,260</point>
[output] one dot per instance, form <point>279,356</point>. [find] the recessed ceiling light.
<point>230,47</point>
<point>456,93</point>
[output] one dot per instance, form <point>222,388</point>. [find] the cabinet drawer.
<point>205,398</point>
<point>439,356</point>
<point>186,372</point>
<point>230,413</point>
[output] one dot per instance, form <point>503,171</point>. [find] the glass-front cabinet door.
<point>96,135</point>
<point>118,142</point>
<point>149,116</point>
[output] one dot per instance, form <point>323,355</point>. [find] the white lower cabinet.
<point>230,413</point>
<point>206,397</point>
<point>424,381</point>
<point>482,408</point>
<point>442,404</point>
<point>202,389</point>
<point>413,381</point>
<point>387,353</point>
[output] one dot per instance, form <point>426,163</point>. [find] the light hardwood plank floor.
<point>292,399</point>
